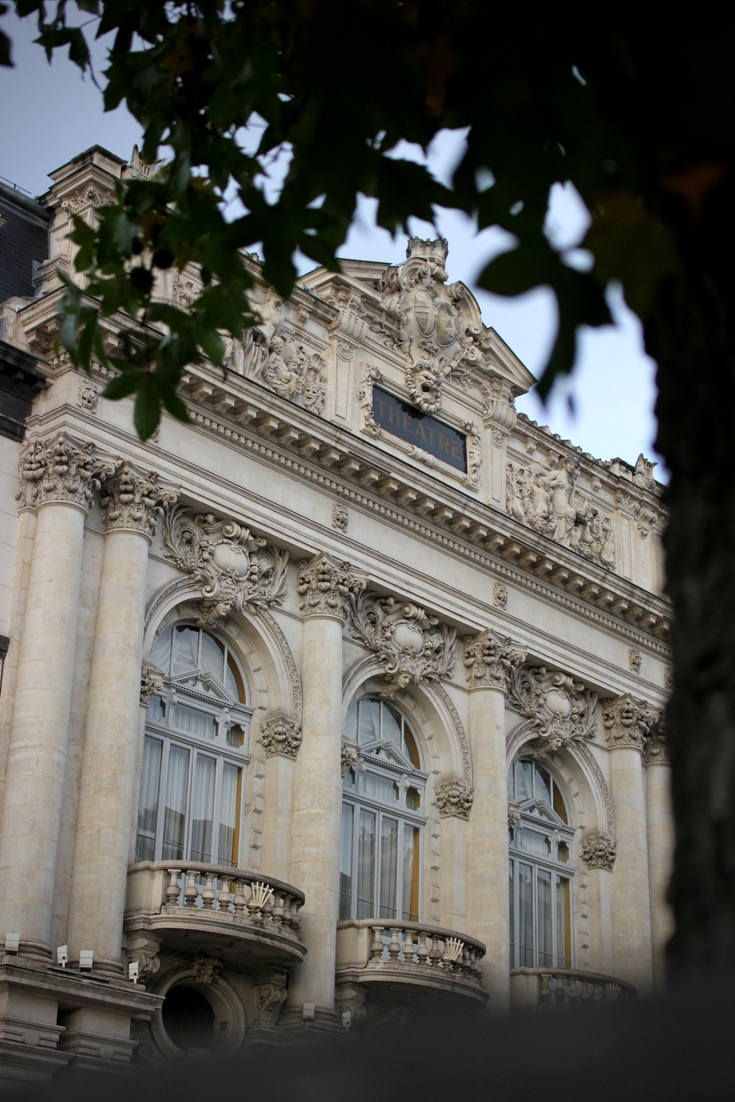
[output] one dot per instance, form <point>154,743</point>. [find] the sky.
<point>50,113</point>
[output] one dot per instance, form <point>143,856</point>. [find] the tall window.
<point>540,876</point>
<point>195,752</point>
<point>382,816</point>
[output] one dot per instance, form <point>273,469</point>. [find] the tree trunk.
<point>691,335</point>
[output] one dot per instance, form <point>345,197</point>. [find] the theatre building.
<point>340,700</point>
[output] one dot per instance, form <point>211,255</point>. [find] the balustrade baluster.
<point>209,894</point>
<point>173,891</point>
<point>394,945</point>
<point>268,909</point>
<point>376,949</point>
<point>225,896</point>
<point>422,952</point>
<point>408,946</point>
<point>277,916</point>
<point>295,914</point>
<point>191,891</point>
<point>240,900</point>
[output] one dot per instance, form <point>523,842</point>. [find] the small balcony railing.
<point>205,906</point>
<point>549,988</point>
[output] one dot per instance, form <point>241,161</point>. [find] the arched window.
<point>382,816</point>
<point>195,752</point>
<point>540,876</point>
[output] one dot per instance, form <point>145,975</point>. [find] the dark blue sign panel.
<point>415,427</point>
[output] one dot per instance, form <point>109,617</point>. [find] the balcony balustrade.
<point>427,963</point>
<point>241,916</point>
<point>549,988</point>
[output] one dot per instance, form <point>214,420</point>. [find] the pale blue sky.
<point>49,114</point>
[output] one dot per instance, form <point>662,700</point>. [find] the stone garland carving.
<point>656,749</point>
<point>499,412</point>
<point>558,709</point>
<point>370,426</point>
<point>628,722</point>
<point>490,659</point>
<point>325,586</point>
<point>233,568</point>
<point>134,501</point>
<point>598,850</point>
<point>287,368</point>
<point>411,645</point>
<point>453,797</point>
<point>542,499</point>
<point>151,681</point>
<point>61,470</point>
<point>280,733</point>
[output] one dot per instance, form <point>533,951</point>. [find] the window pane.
<point>351,724</point>
<point>545,943</point>
<point>156,710</point>
<point>186,645</point>
<point>212,656</point>
<point>512,918</point>
<point>202,809</point>
<point>543,785</point>
<point>411,837</point>
<point>161,652</point>
<point>413,799</point>
<point>233,680</point>
<point>534,842</point>
<point>380,788</point>
<point>388,867</point>
<point>523,773</point>
<point>559,805</point>
<point>345,864</point>
<point>392,725</point>
<point>366,865</point>
<point>563,923</point>
<point>195,722</point>
<point>525,915</point>
<point>235,736</point>
<point>148,806</point>
<point>411,748</point>
<point>368,726</point>
<point>174,817</point>
<point>229,818</point>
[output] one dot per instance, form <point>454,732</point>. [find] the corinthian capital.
<point>61,469</point>
<point>490,659</point>
<point>628,722</point>
<point>325,585</point>
<point>134,500</point>
<point>656,748</point>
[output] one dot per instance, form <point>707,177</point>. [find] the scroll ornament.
<point>628,722</point>
<point>490,659</point>
<point>411,645</point>
<point>558,709</point>
<point>234,568</point>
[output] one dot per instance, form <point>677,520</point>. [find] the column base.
<point>96,1038</point>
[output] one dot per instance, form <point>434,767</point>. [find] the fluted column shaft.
<point>660,831</point>
<point>317,805</point>
<point>489,657</point>
<point>130,503</point>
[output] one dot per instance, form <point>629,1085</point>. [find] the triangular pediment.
<point>386,752</point>
<point>540,809</point>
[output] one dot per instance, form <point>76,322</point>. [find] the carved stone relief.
<point>134,500</point>
<point>500,594</point>
<point>286,367</point>
<point>348,757</point>
<point>61,469</point>
<point>280,733</point>
<point>87,395</point>
<point>205,969</point>
<point>453,797</point>
<point>411,645</point>
<point>234,568</point>
<point>270,996</point>
<point>490,659</point>
<point>635,659</point>
<point>656,749</point>
<point>151,681</point>
<point>598,850</point>
<point>340,517</point>
<point>558,709</point>
<point>628,722</point>
<point>325,586</point>
<point>148,961</point>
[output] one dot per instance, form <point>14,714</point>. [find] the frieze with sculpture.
<point>558,710</point>
<point>234,568</point>
<point>285,367</point>
<point>411,645</point>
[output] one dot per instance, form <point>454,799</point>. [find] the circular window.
<point>188,1018</point>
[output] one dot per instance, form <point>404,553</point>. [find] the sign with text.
<point>415,427</point>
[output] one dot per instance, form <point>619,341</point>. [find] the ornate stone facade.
<point>628,722</point>
<point>558,709</point>
<point>326,586</point>
<point>490,659</point>
<point>280,733</point>
<point>62,469</point>
<point>453,797</point>
<point>411,645</point>
<point>134,500</point>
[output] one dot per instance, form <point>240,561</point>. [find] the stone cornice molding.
<point>133,500</point>
<point>628,722</point>
<point>280,734</point>
<point>558,709</point>
<point>325,586</point>
<point>453,797</point>
<point>61,470</point>
<point>598,850</point>
<point>411,645</point>
<point>490,658</point>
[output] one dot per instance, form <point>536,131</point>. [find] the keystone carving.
<point>61,470</point>
<point>411,645</point>
<point>134,501</point>
<point>490,659</point>
<point>656,748</point>
<point>205,969</point>
<point>280,733</point>
<point>326,585</point>
<point>234,568</point>
<point>151,681</point>
<point>453,797</point>
<point>558,709</point>
<point>598,850</point>
<point>628,722</point>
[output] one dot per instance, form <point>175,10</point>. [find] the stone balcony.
<point>549,988</point>
<point>393,963</point>
<point>237,916</point>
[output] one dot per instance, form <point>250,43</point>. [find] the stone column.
<point>627,723</point>
<point>317,808</point>
<point>489,659</point>
<point>58,479</point>
<point>131,503</point>
<point>660,827</point>
<point>280,735</point>
<point>454,803</point>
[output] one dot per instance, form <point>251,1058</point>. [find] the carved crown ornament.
<point>325,586</point>
<point>63,470</point>
<point>280,733</point>
<point>490,659</point>
<point>558,709</point>
<point>411,645</point>
<point>134,500</point>
<point>234,568</point>
<point>628,722</point>
<point>453,797</point>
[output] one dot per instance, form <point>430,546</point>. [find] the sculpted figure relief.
<point>629,722</point>
<point>411,645</point>
<point>286,367</point>
<point>558,709</point>
<point>490,659</point>
<point>233,567</point>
